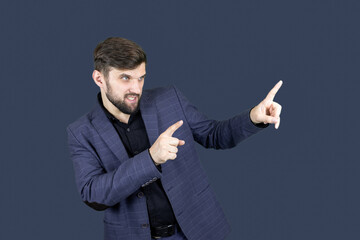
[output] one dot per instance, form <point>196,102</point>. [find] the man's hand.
<point>268,111</point>
<point>165,147</point>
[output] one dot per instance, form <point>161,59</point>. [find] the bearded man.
<point>134,154</point>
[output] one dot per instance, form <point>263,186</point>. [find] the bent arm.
<point>217,134</point>
<point>99,188</point>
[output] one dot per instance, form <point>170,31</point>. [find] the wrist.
<point>257,124</point>
<point>156,164</point>
<point>252,118</point>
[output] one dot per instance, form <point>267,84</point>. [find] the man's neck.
<point>122,117</point>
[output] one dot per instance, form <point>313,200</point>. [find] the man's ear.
<point>98,78</point>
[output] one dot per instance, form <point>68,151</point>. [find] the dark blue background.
<point>299,182</point>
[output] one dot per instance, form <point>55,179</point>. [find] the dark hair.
<point>119,53</point>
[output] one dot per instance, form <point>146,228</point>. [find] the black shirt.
<point>134,137</point>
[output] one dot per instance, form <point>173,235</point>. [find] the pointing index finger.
<point>170,131</point>
<point>274,90</point>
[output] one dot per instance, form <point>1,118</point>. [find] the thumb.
<point>269,119</point>
<point>181,142</point>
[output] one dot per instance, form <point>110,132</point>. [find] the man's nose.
<point>135,86</point>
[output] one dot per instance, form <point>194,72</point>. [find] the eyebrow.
<point>129,76</point>
<point>125,75</point>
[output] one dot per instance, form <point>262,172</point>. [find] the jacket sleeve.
<point>217,134</point>
<point>100,189</point>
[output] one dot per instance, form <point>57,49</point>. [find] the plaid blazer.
<point>105,174</point>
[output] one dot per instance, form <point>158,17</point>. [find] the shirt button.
<point>144,225</point>
<point>128,129</point>
<point>140,194</point>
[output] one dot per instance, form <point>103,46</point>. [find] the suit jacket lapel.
<point>108,133</point>
<point>148,113</point>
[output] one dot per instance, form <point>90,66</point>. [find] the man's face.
<point>124,88</point>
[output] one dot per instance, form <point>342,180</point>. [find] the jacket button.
<point>144,225</point>
<point>140,194</point>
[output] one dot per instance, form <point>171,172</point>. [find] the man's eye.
<point>125,78</point>
<point>141,78</point>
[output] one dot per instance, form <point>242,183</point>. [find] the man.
<point>134,154</point>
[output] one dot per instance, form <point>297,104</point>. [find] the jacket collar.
<point>108,133</point>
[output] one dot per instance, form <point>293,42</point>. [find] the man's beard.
<point>121,104</point>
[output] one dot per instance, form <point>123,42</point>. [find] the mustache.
<point>132,94</point>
